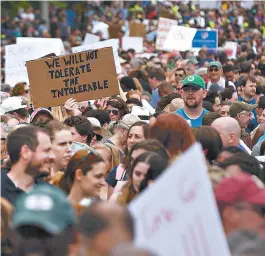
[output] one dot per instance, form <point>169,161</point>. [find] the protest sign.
<point>213,4</point>
<point>114,43</point>
<point>137,29</point>
<point>164,26</point>
<point>179,38</point>
<point>114,30</point>
<point>231,49</point>
<point>100,27</point>
<point>54,44</point>
<point>90,39</point>
<point>82,76</point>
<point>205,38</point>
<point>135,43</point>
<point>177,214</point>
<point>17,55</point>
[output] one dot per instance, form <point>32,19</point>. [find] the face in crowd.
<point>193,96</point>
<point>114,113</point>
<point>61,146</point>
<point>215,73</point>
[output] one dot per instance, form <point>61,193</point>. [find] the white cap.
<point>128,120</point>
<point>11,104</point>
<point>94,122</point>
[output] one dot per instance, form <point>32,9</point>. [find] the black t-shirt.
<point>9,191</point>
<point>111,178</point>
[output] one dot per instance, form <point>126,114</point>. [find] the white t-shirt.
<point>221,82</point>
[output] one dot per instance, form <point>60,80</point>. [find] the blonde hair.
<point>114,153</point>
<point>138,85</point>
<point>59,113</point>
<point>130,93</point>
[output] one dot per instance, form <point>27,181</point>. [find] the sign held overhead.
<point>82,76</point>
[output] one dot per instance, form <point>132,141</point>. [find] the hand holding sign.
<point>82,76</point>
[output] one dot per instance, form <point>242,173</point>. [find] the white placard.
<point>90,39</point>
<point>179,38</point>
<point>177,214</point>
<point>213,4</point>
<point>164,26</point>
<point>136,43</point>
<point>114,43</point>
<point>55,45</point>
<point>101,27</point>
<point>17,55</point>
<point>231,49</point>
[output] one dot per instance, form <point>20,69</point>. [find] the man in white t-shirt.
<point>215,72</point>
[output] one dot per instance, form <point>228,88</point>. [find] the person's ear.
<point>78,175</point>
<point>205,93</point>
<point>84,138</point>
<point>25,152</point>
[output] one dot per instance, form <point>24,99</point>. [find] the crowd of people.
<point>69,172</point>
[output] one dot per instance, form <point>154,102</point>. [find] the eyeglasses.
<point>113,111</point>
<point>213,69</point>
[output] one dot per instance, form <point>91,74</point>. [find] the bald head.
<point>229,130</point>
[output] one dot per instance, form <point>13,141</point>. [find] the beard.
<point>195,104</point>
<point>35,169</point>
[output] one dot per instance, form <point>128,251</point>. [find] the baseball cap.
<point>215,64</point>
<point>216,88</point>
<point>40,110</point>
<point>194,80</point>
<point>94,122</point>
<point>11,104</point>
<point>128,120</point>
<point>238,188</point>
<point>46,207</point>
<point>238,107</point>
<point>141,112</point>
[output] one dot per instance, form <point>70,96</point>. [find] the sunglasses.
<point>193,89</point>
<point>3,138</point>
<point>98,137</point>
<point>26,91</point>
<point>181,75</point>
<point>113,111</point>
<point>214,69</point>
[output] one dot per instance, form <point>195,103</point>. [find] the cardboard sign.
<point>17,55</point>
<point>90,39</point>
<point>164,26</point>
<point>49,43</point>
<point>114,43</point>
<point>177,214</point>
<point>137,29</point>
<point>82,76</point>
<point>135,43</point>
<point>114,30</point>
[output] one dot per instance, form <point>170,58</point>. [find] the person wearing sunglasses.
<point>116,110</point>
<point>215,73</point>
<point>241,203</point>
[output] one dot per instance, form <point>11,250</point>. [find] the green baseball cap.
<point>215,64</point>
<point>194,80</point>
<point>46,207</point>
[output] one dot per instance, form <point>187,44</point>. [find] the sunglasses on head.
<point>214,69</point>
<point>113,111</point>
